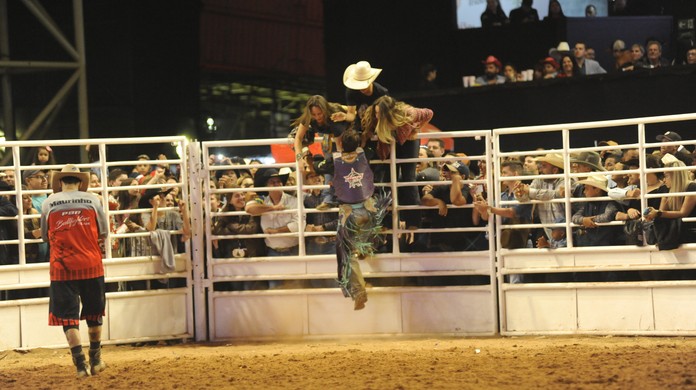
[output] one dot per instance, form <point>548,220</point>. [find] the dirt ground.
<point>396,363</point>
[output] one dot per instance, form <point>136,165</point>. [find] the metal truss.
<point>78,79</point>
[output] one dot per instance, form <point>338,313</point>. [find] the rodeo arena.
<point>364,247</point>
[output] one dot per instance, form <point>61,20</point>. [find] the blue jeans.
<point>294,251</point>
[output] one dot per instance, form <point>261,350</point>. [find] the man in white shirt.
<point>276,223</point>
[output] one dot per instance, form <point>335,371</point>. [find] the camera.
<point>239,252</point>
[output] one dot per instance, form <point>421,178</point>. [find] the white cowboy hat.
<point>599,181</point>
<point>360,76</point>
<point>563,47</point>
<point>554,159</point>
<point>69,170</point>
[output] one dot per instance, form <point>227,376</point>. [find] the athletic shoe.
<point>360,300</point>
<point>80,362</point>
<point>96,362</point>
<point>326,205</point>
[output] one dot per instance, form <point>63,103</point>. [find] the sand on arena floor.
<point>383,363</point>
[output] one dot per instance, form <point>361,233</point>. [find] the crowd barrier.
<point>131,316</point>
<point>413,291</point>
<point>622,290</point>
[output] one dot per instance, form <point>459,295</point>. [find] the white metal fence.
<point>414,289</point>
<point>402,300</point>
<point>626,289</point>
<point>132,315</point>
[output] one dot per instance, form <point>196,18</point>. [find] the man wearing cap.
<point>617,152</point>
<point>276,223</point>
<point>492,72</point>
<point>361,92</point>
<point>586,66</point>
<point>678,151</point>
<point>520,213</point>
<point>37,180</point>
<point>73,222</point>
<point>550,69</point>
<point>457,194</point>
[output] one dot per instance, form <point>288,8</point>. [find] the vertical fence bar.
<point>198,249</point>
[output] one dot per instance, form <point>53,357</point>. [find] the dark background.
<point>148,61</point>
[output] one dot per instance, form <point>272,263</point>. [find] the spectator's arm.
<point>543,194</point>
<point>456,195</point>
<point>186,228</point>
<point>294,224</point>
<point>618,193</point>
<point>505,212</point>
<point>299,136</point>
<point>608,215</point>
<point>578,216</point>
<point>151,223</point>
<point>429,200</point>
<point>251,227</point>
<point>687,207</point>
<point>255,207</point>
<point>421,116</point>
<point>348,116</point>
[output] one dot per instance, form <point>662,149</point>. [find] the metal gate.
<point>141,313</point>
<point>299,297</point>
<point>622,290</point>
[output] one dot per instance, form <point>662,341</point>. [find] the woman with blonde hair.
<point>676,207</point>
<point>394,121</point>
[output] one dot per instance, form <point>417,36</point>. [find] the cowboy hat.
<point>598,181</point>
<point>591,159</point>
<point>562,48</point>
<point>69,170</point>
<point>554,159</point>
<point>492,60</point>
<point>144,202</point>
<point>262,176</point>
<point>360,76</point>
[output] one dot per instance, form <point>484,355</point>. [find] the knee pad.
<point>68,327</point>
<point>92,324</point>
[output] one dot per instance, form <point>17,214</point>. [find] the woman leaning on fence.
<point>667,219</point>
<point>395,121</point>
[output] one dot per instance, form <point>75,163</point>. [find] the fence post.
<point>195,168</point>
